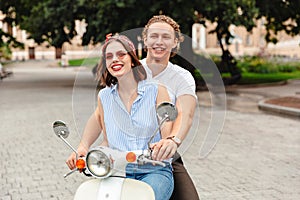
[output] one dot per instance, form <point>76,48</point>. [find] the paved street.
<point>257,155</point>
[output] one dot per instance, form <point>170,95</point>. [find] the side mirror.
<point>61,129</point>
<point>166,111</point>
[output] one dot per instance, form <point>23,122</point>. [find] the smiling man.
<point>161,37</point>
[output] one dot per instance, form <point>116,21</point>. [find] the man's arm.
<point>165,148</point>
<point>162,97</point>
<point>185,105</point>
<point>186,102</point>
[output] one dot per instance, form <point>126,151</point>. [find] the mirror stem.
<point>68,144</point>
<point>159,125</point>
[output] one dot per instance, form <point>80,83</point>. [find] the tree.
<point>51,21</point>
<point>111,16</point>
<point>224,13</point>
<point>280,15</point>
<point>7,41</point>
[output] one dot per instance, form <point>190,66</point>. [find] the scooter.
<point>107,166</point>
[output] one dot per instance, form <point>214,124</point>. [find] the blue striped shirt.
<point>130,131</point>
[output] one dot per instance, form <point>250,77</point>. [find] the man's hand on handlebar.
<point>164,149</point>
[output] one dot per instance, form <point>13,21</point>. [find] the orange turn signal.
<point>80,164</point>
<point>130,157</point>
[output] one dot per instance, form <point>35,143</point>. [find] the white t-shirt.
<point>176,79</point>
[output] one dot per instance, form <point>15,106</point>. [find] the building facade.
<point>246,43</point>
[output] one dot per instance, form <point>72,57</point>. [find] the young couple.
<point>130,96</point>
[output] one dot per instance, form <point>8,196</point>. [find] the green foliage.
<point>280,15</point>
<point>258,70</point>
<point>112,16</point>
<point>266,66</point>
<point>255,78</point>
<point>6,42</point>
<point>10,10</point>
<point>288,67</point>
<point>5,52</point>
<point>86,62</point>
<point>197,74</point>
<point>52,21</point>
<point>224,13</point>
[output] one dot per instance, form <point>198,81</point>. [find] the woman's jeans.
<point>158,177</point>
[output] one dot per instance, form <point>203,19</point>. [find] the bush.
<point>265,66</point>
<point>288,67</point>
<point>5,52</point>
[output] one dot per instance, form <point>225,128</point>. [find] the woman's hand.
<point>71,161</point>
<point>164,149</point>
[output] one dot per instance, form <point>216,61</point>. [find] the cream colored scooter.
<point>107,166</point>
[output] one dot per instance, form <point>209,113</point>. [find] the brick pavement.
<point>256,157</point>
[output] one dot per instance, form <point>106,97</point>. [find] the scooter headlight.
<point>98,163</point>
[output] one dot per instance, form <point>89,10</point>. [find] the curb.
<point>258,85</point>
<point>246,86</point>
<point>278,109</point>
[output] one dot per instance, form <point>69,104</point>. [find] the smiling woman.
<point>118,62</point>
<point>118,52</point>
<point>126,114</point>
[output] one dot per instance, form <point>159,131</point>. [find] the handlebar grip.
<point>143,160</point>
<point>157,163</point>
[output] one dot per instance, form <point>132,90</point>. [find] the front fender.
<point>114,188</point>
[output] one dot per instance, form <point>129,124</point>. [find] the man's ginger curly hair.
<point>171,22</point>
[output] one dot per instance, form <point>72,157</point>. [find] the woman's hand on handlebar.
<point>71,161</point>
<point>164,149</point>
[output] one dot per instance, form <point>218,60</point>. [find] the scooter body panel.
<point>114,188</point>
<point>137,190</point>
<point>88,190</point>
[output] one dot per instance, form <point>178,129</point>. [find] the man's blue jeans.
<point>158,177</point>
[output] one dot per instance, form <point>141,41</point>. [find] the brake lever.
<point>84,171</point>
<point>70,172</point>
